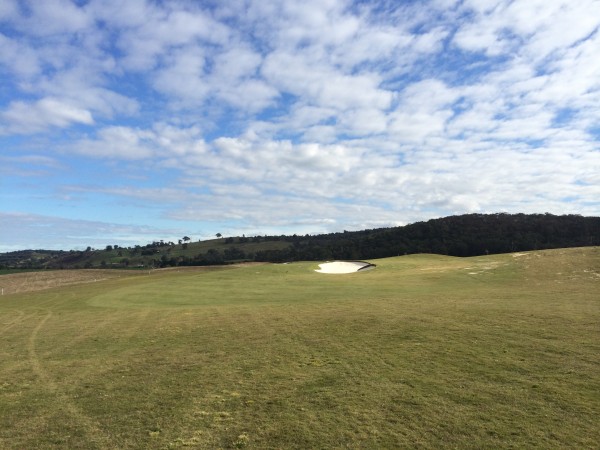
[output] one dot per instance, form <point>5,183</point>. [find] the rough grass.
<point>422,352</point>
<point>36,280</point>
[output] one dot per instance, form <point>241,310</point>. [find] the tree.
<point>109,248</point>
<point>186,238</point>
<point>219,235</point>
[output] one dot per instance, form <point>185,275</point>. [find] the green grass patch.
<point>424,351</point>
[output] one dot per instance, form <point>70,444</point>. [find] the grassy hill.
<point>157,254</point>
<point>425,351</point>
<point>464,235</point>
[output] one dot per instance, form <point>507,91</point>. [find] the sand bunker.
<point>344,267</point>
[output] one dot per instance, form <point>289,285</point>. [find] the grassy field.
<point>424,351</point>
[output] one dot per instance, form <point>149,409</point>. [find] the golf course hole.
<point>344,267</point>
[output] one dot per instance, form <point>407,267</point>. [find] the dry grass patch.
<point>31,281</point>
<point>15,283</point>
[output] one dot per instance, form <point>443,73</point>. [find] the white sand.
<point>344,267</point>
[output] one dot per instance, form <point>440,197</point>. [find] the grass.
<point>34,280</point>
<point>424,351</point>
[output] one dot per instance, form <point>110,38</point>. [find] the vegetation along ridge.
<point>463,235</point>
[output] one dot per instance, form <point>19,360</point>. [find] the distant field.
<point>36,280</point>
<point>424,351</point>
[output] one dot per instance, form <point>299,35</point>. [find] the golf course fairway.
<point>422,351</point>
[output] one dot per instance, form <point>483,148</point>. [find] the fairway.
<point>423,351</point>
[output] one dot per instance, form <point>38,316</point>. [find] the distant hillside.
<point>464,235</point>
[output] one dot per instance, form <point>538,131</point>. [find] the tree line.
<point>461,235</point>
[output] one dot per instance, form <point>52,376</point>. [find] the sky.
<point>124,122</point>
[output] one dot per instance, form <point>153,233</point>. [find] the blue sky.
<point>127,122</point>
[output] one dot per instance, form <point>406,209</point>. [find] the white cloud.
<point>415,127</point>
<point>235,80</point>
<point>86,91</point>
<point>328,112</point>
<point>535,28</point>
<point>485,37</point>
<point>117,142</point>
<point>54,17</point>
<point>236,63</point>
<point>164,30</point>
<point>183,76</point>
<point>18,58</point>
<point>447,175</point>
<point>363,121</point>
<point>193,78</point>
<point>123,143</point>
<point>303,116</point>
<point>431,41</point>
<point>428,95</point>
<point>179,141</point>
<point>22,117</point>
<point>320,85</point>
<point>8,9</point>
<point>553,25</point>
<point>119,14</point>
<point>371,44</point>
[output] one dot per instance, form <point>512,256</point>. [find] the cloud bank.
<point>279,117</point>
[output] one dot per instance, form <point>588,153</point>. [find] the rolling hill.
<point>463,235</point>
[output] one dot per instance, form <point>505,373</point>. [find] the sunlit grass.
<point>424,351</point>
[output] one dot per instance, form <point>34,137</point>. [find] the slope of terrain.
<point>423,351</point>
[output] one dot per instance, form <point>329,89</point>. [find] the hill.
<point>462,235</point>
